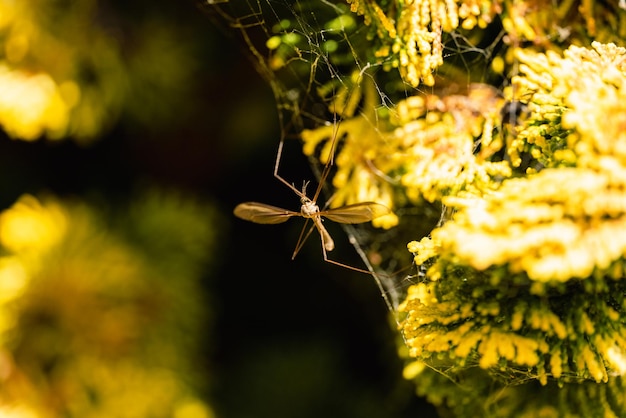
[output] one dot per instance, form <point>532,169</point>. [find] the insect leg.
<point>277,164</point>
<point>302,238</point>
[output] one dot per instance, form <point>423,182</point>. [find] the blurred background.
<point>129,289</point>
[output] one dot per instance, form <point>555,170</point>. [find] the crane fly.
<point>262,213</point>
<point>350,214</point>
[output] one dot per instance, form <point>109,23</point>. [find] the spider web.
<point>310,52</point>
<point>320,58</point>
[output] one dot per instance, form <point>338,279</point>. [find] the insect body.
<point>351,214</point>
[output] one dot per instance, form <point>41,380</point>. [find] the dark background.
<point>298,338</point>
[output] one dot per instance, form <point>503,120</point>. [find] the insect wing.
<point>261,213</point>
<point>357,213</point>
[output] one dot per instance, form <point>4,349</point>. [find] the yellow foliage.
<point>90,324</point>
<point>30,227</point>
<point>412,34</point>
